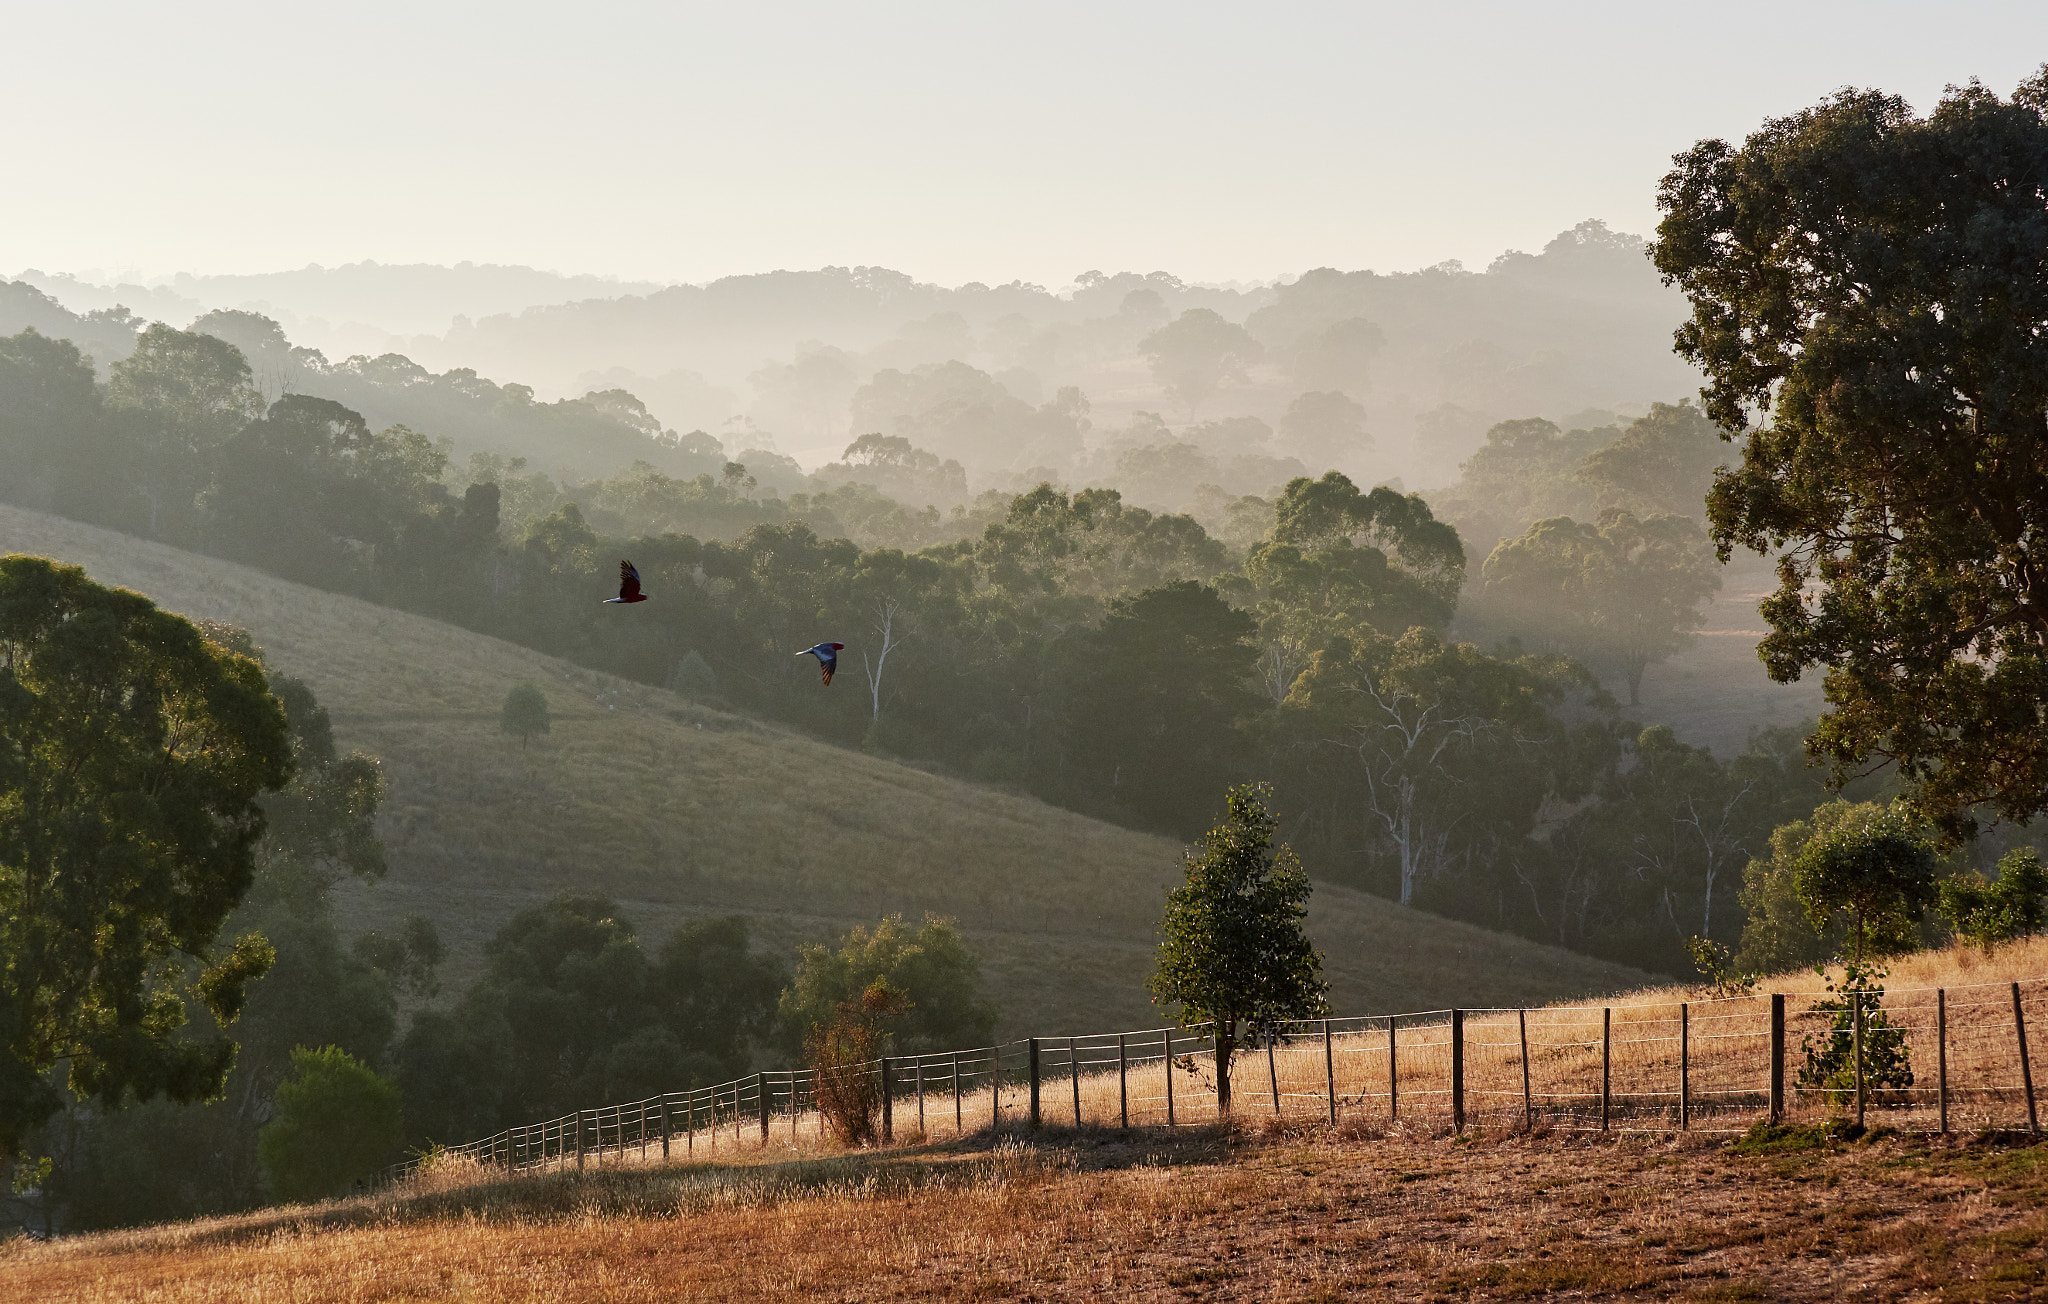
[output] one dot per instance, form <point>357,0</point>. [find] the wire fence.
<point>1930,1059</point>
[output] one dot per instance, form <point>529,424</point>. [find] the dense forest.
<point>1120,661</point>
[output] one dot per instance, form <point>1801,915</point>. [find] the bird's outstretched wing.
<point>828,659</point>
<point>629,585</point>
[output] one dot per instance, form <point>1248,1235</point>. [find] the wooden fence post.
<point>767,1105</point>
<point>1458,1070</point>
<point>1941,1053</point>
<point>1684,1066</point>
<point>1606,1062</point>
<point>1393,1069</point>
<point>1528,1106</point>
<point>1856,1032</point>
<point>919,1069</point>
<point>579,1140</point>
<point>995,1085</point>
<point>888,1102</point>
<point>1123,1083</point>
<point>2019,1026</point>
<point>1777,1056</point>
<point>1272,1072</point>
<point>1330,1072</point>
<point>1074,1076</point>
<point>958,1117</point>
<point>664,1127</point>
<point>1167,1041</point>
<point>1031,1056</point>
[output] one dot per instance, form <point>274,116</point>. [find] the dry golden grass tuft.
<point>680,811</point>
<point>1215,1215</point>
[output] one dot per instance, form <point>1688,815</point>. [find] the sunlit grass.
<point>1221,1214</point>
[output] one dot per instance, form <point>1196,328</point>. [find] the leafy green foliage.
<point>1778,934</point>
<point>1663,464</point>
<point>336,1122</point>
<point>525,712</point>
<point>1232,950</point>
<point>1830,1065</point>
<point>1440,751</point>
<point>1874,282</point>
<point>407,959</point>
<point>132,754</point>
<point>1156,707</point>
<point>1625,592</point>
<point>841,1049</point>
<point>156,1160</point>
<point>1880,869</point>
<point>2008,907</point>
<point>571,1009</point>
<point>1716,963</point>
<point>930,967</point>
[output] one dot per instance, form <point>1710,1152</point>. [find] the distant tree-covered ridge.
<point>1103,656</point>
<point>997,378</point>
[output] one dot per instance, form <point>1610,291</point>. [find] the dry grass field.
<point>679,811</point>
<point>1269,1209</point>
<point>1294,1215</point>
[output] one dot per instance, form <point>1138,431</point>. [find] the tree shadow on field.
<point>1009,1156</point>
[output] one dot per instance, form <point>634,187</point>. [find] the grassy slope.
<point>680,811</point>
<point>1150,1218</point>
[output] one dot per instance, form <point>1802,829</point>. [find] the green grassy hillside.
<point>678,810</point>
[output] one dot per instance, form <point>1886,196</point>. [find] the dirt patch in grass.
<point>1139,1217</point>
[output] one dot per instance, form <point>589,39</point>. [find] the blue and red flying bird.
<point>828,659</point>
<point>629,585</point>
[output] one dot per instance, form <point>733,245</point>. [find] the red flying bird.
<point>629,585</point>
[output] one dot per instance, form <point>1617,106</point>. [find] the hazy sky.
<point>953,141</point>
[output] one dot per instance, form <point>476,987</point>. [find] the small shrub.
<point>1768,1138</point>
<point>1831,1060</point>
<point>1717,965</point>
<point>841,1054</point>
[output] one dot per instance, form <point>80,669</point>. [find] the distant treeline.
<point>1113,660</point>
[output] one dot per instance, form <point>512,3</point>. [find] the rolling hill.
<point>677,811</point>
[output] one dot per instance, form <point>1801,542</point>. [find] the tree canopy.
<point>929,967</point>
<point>1624,592</point>
<point>1869,295</point>
<point>132,756</point>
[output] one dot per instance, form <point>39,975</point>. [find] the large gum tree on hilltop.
<point>1870,302</point>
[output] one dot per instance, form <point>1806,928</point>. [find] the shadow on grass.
<point>1010,1156</point>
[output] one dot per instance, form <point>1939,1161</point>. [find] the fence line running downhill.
<point>1712,1065</point>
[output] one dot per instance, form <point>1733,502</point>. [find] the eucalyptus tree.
<point>1869,295</point>
<point>132,756</point>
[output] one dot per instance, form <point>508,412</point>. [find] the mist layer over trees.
<point>1402,372</point>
